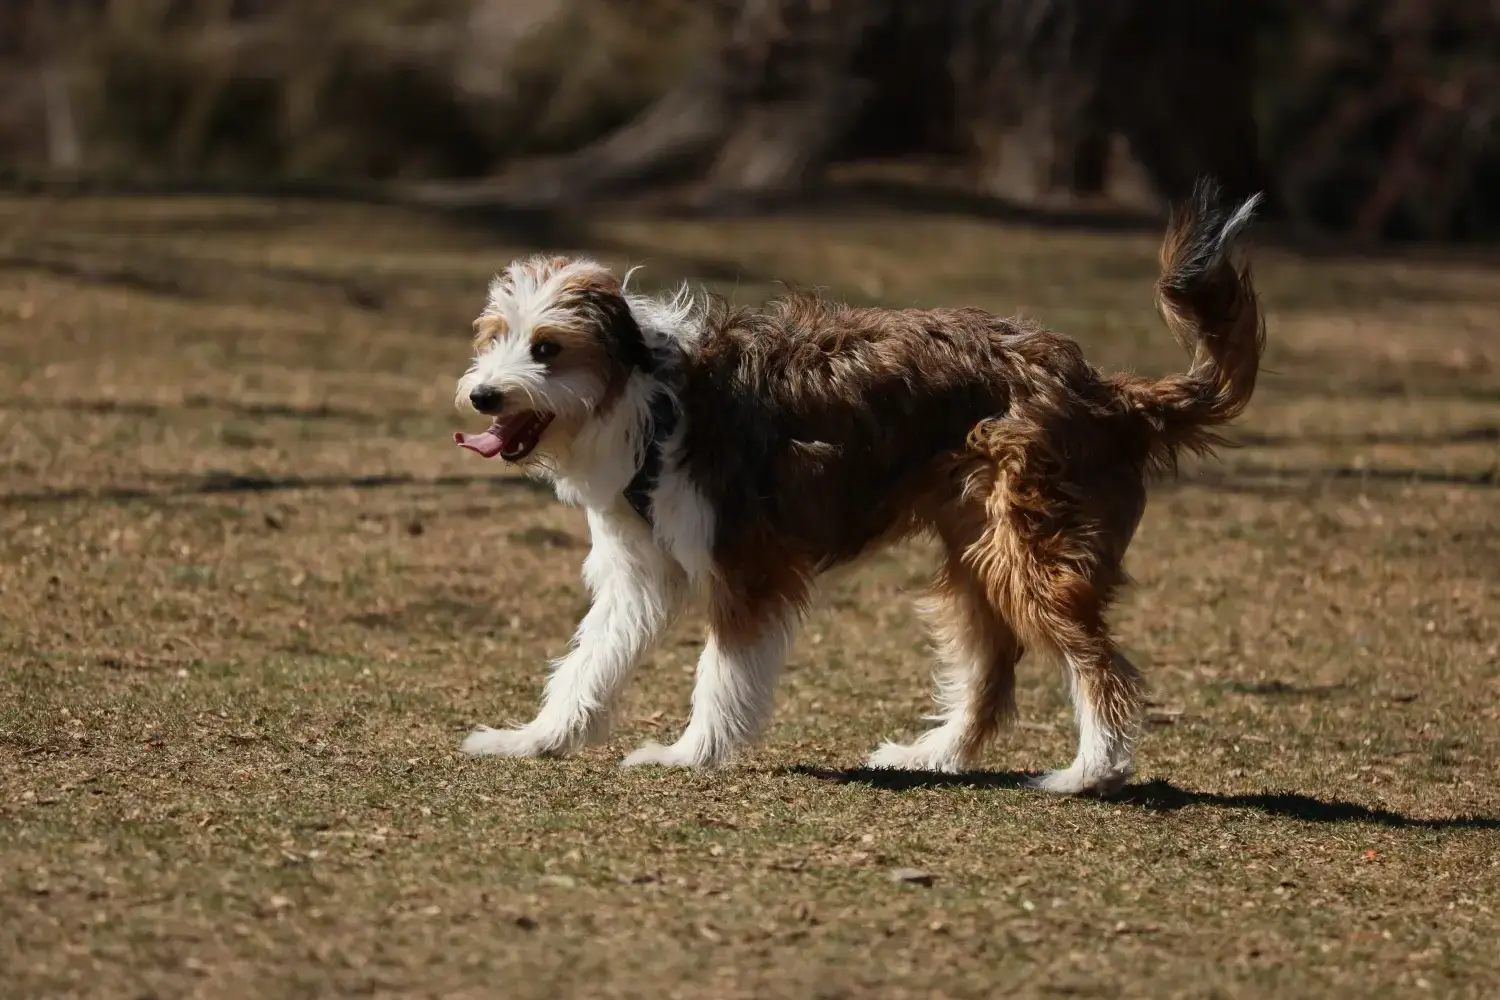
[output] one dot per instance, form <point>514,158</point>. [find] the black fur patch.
<point>622,335</point>
<point>663,423</point>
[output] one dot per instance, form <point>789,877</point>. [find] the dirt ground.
<point>251,598</point>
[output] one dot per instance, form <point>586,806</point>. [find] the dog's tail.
<point>1209,303</point>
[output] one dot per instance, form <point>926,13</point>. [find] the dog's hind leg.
<point>1064,609</point>
<point>975,682</point>
<point>1052,558</point>
<point>1106,699</point>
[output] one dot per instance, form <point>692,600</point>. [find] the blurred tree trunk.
<point>1040,93</point>
<point>1048,89</point>
<point>793,94</point>
<point>759,116</point>
<point>37,121</point>
<point>1029,96</point>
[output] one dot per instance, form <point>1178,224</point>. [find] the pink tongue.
<point>487,443</point>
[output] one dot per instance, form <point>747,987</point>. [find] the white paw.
<point>676,755</point>
<point>1078,779</point>
<point>913,757</point>
<point>524,741</point>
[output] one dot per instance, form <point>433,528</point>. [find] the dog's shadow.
<point>1159,796</point>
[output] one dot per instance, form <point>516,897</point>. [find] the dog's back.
<point>818,429</point>
<point>822,429</point>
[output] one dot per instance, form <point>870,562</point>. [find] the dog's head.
<point>553,347</point>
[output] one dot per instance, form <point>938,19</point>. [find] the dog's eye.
<point>542,350</point>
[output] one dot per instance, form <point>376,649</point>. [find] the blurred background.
<point>252,596</point>
<point>1368,120</point>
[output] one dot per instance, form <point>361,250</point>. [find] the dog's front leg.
<point>637,590</point>
<point>732,696</point>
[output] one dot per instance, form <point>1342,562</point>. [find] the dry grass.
<point>251,598</point>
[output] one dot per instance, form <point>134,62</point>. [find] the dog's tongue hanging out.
<point>511,437</point>
<point>487,444</point>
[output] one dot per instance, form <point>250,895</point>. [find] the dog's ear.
<point>618,329</point>
<point>601,300</point>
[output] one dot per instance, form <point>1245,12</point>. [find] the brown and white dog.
<point>737,454</point>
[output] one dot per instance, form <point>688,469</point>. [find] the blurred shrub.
<point>1379,118</point>
<point>375,89</point>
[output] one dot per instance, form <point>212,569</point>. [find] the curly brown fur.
<point>813,433</point>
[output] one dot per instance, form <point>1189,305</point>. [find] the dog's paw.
<point>912,757</point>
<point>1079,780</point>
<point>676,755</point>
<point>523,741</point>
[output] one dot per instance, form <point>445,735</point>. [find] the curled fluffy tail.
<point>1209,303</point>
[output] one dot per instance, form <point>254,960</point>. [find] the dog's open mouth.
<point>512,436</point>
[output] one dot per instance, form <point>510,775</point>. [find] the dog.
<point>737,454</point>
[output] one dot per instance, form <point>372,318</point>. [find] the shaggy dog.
<point>736,454</point>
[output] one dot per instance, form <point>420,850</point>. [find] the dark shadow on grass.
<point>134,408</point>
<point>903,781</point>
<point>118,275</point>
<point>166,275</point>
<point>1248,475</point>
<point>1163,796</point>
<point>324,411</point>
<point>174,276</point>
<point>1158,796</point>
<point>539,226</point>
<point>228,483</point>
<point>438,614</point>
<point>1278,688</point>
<point>1415,381</point>
<point>1468,435</point>
<point>473,205</point>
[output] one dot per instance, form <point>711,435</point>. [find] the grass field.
<point>251,598</point>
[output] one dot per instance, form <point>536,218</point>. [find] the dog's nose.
<point>487,400</point>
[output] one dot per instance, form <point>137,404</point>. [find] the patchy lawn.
<point>251,598</point>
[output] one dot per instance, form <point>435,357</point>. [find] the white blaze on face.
<point>533,301</point>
